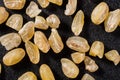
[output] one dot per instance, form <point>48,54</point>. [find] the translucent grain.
<point>90,64</point>
<point>77,43</point>
<point>10,40</point>
<point>28,76</point>
<point>57,2</point>
<point>78,57</point>
<point>53,21</point>
<point>97,49</point>
<point>112,21</point>
<point>69,69</point>
<point>55,41</point>
<point>0,68</point>
<point>100,13</point>
<point>41,41</point>
<point>3,15</point>
<point>78,23</point>
<point>113,56</point>
<point>41,23</point>
<point>46,72</point>
<point>27,31</point>
<point>43,3</point>
<point>13,57</point>
<point>15,22</point>
<point>70,7</point>
<point>32,10</point>
<point>14,4</point>
<point>86,76</point>
<point>33,52</point>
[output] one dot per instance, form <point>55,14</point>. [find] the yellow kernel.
<point>14,4</point>
<point>28,76</point>
<point>33,52</point>
<point>87,76</point>
<point>70,7</point>
<point>78,23</point>
<point>100,13</point>
<point>15,22</point>
<point>78,57</point>
<point>57,2</point>
<point>97,49</point>
<point>43,3</point>
<point>69,68</point>
<point>3,15</point>
<point>14,56</point>
<point>46,72</point>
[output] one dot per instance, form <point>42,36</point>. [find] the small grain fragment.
<point>43,3</point>
<point>77,43</point>
<point>78,57</point>
<point>55,41</point>
<point>15,22</point>
<point>13,57</point>
<point>33,52</point>
<point>69,69</point>
<point>27,31</point>
<point>100,13</point>
<point>10,40</point>
<point>46,73</point>
<point>28,76</point>
<point>97,49</point>
<point>53,21</point>
<point>0,68</point>
<point>41,23</point>
<point>90,64</point>
<point>70,7</point>
<point>112,21</point>
<point>41,41</point>
<point>32,10</point>
<point>3,15</point>
<point>87,76</point>
<point>14,4</point>
<point>113,56</point>
<point>57,2</point>
<point>78,23</point>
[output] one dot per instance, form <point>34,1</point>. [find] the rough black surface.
<point>107,70</point>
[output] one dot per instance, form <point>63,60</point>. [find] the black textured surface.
<point>107,70</point>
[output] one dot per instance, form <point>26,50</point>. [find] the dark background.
<point>107,70</point>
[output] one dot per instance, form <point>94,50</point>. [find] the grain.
<point>28,76</point>
<point>33,52</point>
<point>97,49</point>
<point>70,7</point>
<point>10,40</point>
<point>46,72</point>
<point>3,15</point>
<point>0,68</point>
<point>13,57</point>
<point>41,23</point>
<point>53,21</point>
<point>112,21</point>
<point>78,57</point>
<point>32,10</point>
<point>43,3</point>
<point>78,23</point>
<point>15,21</point>
<point>14,4</point>
<point>55,41</point>
<point>87,76</point>
<point>41,41</point>
<point>113,56</point>
<point>100,13</point>
<point>69,69</point>
<point>57,2</point>
<point>77,43</point>
<point>90,64</point>
<point>27,31</point>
